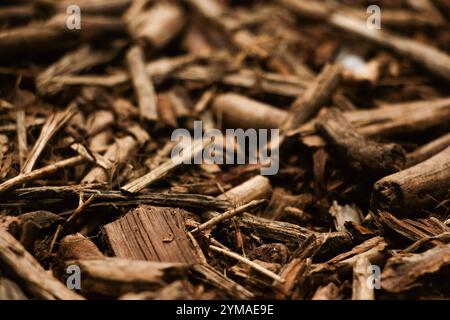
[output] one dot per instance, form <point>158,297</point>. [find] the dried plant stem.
<point>239,111</point>
<point>359,153</point>
<point>55,238</point>
<point>39,173</point>
<point>54,123</point>
<point>248,262</point>
<point>227,215</point>
<point>81,208</point>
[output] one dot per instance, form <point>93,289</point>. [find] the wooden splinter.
<point>158,173</point>
<point>53,124</point>
<point>227,215</point>
<point>39,173</point>
<point>315,96</point>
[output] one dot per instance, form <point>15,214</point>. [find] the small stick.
<point>71,63</point>
<point>198,250</point>
<point>39,37</point>
<point>241,112</point>
<point>255,188</point>
<point>315,96</point>
<point>159,69</point>
<point>228,214</point>
<point>81,208</point>
<point>204,100</point>
<point>161,171</point>
<point>30,122</point>
<point>250,263</point>
<point>39,173</point>
<point>92,156</point>
<point>75,214</point>
<point>218,244</point>
<point>55,238</point>
<point>143,84</point>
<point>436,61</point>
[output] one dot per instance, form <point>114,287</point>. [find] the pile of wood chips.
<point>360,205</point>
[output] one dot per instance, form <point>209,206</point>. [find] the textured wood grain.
<point>151,233</point>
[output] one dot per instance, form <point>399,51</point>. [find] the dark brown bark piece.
<point>35,225</point>
<point>112,277</point>
<point>51,195</point>
<point>315,96</point>
<point>405,272</point>
<point>359,153</point>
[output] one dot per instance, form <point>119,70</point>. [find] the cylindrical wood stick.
<point>315,96</point>
<point>255,188</point>
<point>433,59</point>
<point>158,173</point>
<point>241,112</point>
<point>359,153</point>
<point>406,191</point>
